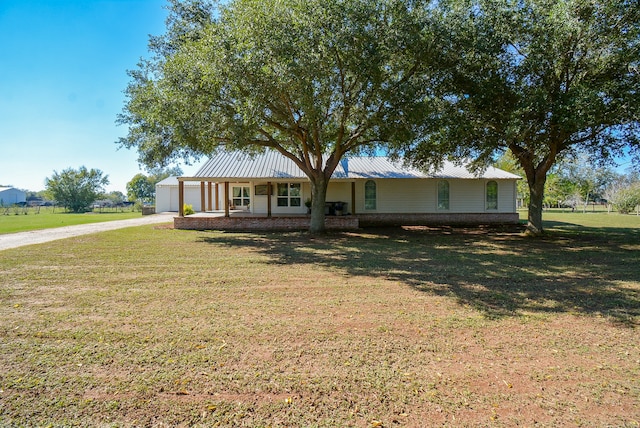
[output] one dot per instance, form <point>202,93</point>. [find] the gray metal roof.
<point>273,165</point>
<point>269,164</point>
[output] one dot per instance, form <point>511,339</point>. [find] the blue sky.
<point>63,70</point>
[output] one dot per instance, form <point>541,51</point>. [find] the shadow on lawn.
<point>496,270</point>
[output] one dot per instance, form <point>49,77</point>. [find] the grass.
<point>382,327</point>
<point>22,220</point>
<point>597,219</point>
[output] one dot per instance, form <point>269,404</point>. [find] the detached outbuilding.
<point>371,190</point>
<point>10,196</point>
<point>167,195</point>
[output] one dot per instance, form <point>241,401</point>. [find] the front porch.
<point>258,197</point>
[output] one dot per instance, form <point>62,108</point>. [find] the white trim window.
<point>289,195</point>
<point>492,195</point>
<point>443,195</point>
<point>241,196</point>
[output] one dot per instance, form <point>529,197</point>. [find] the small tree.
<point>76,189</point>
<point>573,201</point>
<point>141,189</point>
<point>628,198</point>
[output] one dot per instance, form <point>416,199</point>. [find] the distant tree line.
<point>579,181</point>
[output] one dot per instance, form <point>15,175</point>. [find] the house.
<point>364,191</point>
<point>10,196</point>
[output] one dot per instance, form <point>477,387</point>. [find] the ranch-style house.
<point>233,190</point>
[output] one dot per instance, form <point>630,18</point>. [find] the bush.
<point>628,199</point>
<point>188,209</point>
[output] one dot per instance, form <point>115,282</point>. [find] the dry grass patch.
<point>419,327</point>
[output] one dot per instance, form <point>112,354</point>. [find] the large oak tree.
<point>316,80</point>
<point>541,78</point>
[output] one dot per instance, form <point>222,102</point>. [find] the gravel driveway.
<point>19,239</point>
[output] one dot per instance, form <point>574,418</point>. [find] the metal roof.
<point>273,165</point>
<point>269,164</point>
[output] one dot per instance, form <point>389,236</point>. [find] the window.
<point>289,195</point>
<point>492,195</point>
<point>443,195</point>
<point>370,195</point>
<point>240,196</point>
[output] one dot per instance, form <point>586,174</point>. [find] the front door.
<point>240,196</point>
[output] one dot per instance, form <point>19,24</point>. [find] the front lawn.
<point>151,326</point>
<point>22,220</point>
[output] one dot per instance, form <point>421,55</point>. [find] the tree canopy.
<point>76,189</point>
<point>541,78</point>
<point>315,80</point>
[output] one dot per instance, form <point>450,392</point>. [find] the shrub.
<point>628,199</point>
<point>188,209</point>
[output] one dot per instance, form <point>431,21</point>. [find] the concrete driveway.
<point>19,239</point>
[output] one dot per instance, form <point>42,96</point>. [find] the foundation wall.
<point>261,223</point>
<point>341,222</point>
<point>372,220</point>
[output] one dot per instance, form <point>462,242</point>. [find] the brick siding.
<point>371,220</point>
<point>341,222</point>
<point>261,223</point>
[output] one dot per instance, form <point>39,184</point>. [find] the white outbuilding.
<point>10,196</point>
<point>167,195</point>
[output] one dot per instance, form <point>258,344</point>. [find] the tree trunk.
<point>318,198</point>
<point>536,198</point>
<point>536,173</point>
<point>586,202</point>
